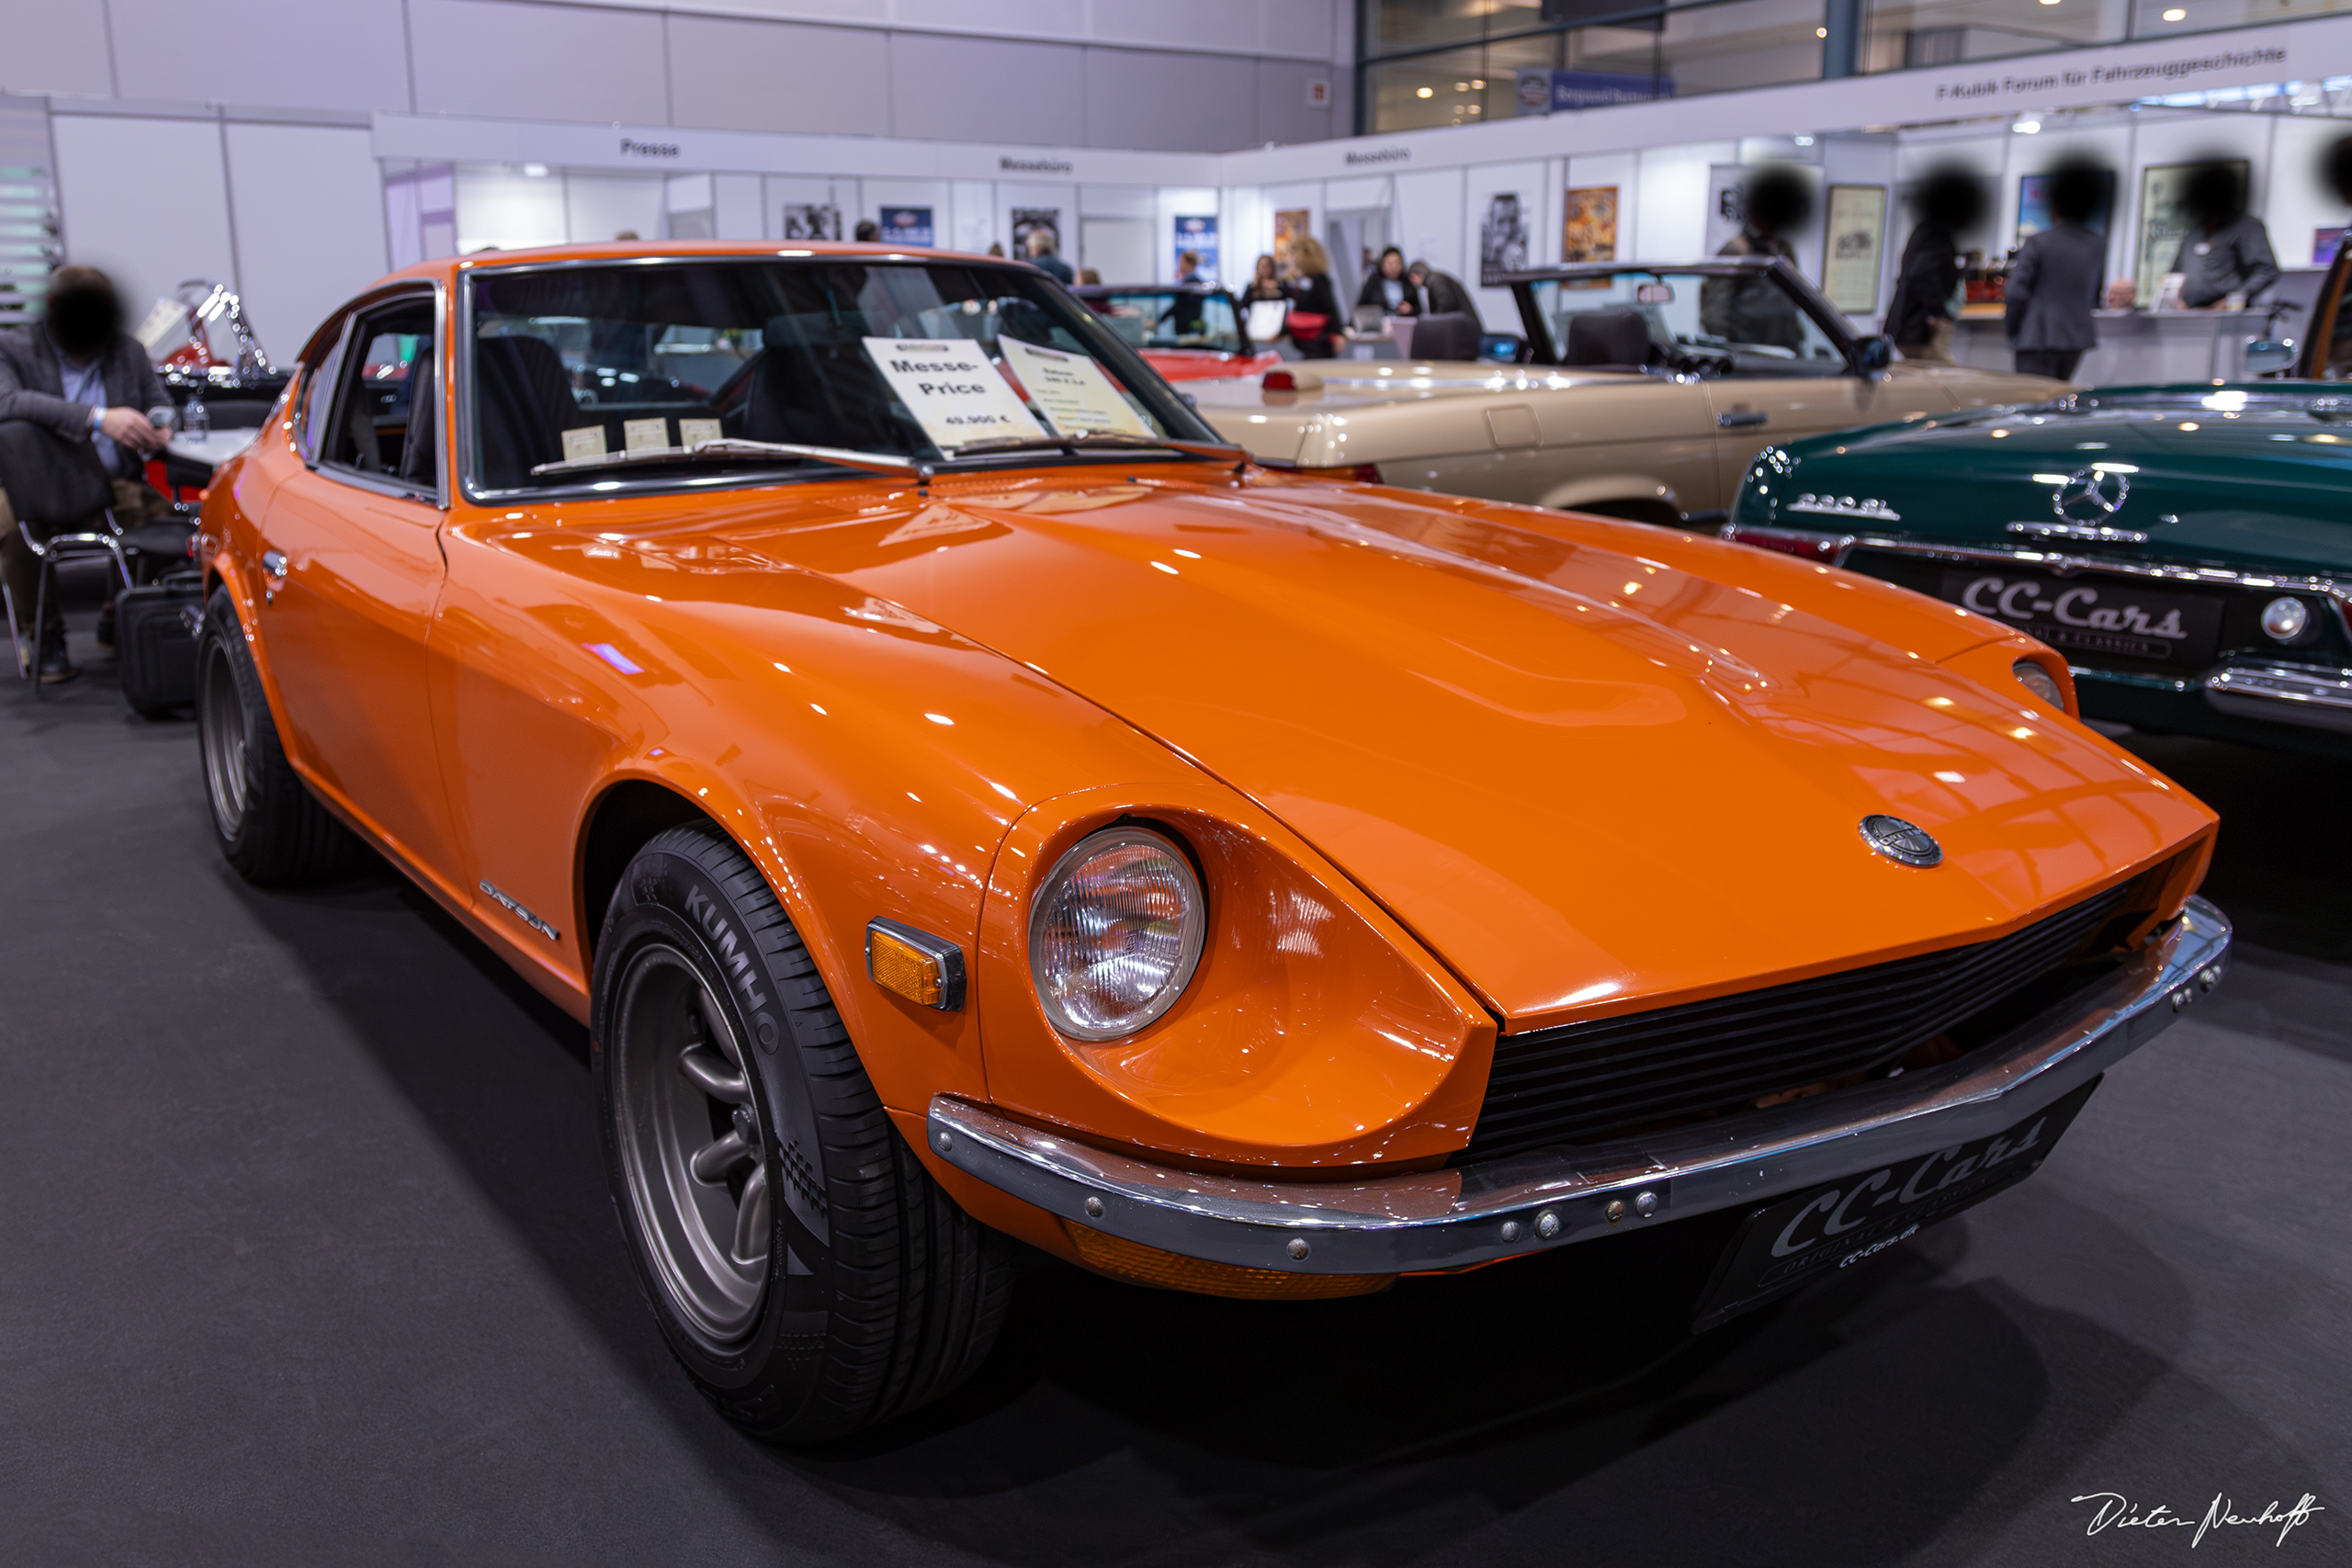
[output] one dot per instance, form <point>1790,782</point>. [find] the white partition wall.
<point>146,199</point>
<point>308,216</point>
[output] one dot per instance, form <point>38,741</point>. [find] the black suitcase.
<point>155,641</point>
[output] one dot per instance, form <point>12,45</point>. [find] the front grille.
<point>1583,1082</point>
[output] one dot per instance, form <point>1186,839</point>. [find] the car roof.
<point>1089,290</point>
<point>444,267</point>
<point>1721,265</point>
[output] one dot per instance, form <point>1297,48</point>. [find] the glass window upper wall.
<point>1432,63</point>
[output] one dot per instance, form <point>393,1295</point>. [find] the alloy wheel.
<point>222,731</point>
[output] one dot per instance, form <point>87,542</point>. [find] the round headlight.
<point>2285,619</point>
<point>1116,933</point>
<point>2039,682</point>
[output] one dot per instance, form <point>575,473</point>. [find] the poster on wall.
<point>1726,209</point>
<point>812,220</point>
<point>2033,205</point>
<point>2163,224</point>
<point>1588,224</point>
<point>1852,247</point>
<point>1502,239</point>
<point>1198,235</point>
<point>1290,226</point>
<point>1028,219</point>
<point>905,226</point>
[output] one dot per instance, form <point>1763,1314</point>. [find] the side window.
<point>386,414</point>
<point>318,392</point>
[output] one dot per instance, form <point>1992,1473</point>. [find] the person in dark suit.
<point>2227,251</point>
<point>77,372</point>
<point>1920,317</point>
<point>2056,280</point>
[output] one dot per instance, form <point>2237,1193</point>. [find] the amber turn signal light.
<point>926,970</point>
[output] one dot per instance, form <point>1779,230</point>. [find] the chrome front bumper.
<point>1446,1219</point>
<point>2307,695</point>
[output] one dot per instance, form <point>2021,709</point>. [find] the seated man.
<point>78,373</point>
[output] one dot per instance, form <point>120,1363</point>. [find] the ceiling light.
<point>1805,141</point>
<point>1461,87</point>
<point>1821,32</point>
<point>536,171</point>
<point>1421,92</point>
<point>1479,82</point>
<point>2025,127</point>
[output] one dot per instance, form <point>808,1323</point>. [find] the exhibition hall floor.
<point>307,1260</point>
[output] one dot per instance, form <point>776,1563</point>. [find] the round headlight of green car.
<point>1115,932</point>
<point>2039,682</point>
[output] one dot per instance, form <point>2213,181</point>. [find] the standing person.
<point>1921,315</point>
<point>1041,257</point>
<point>1265,283</point>
<point>2227,250</point>
<point>1389,288</point>
<point>1313,303</point>
<point>1442,293</point>
<point>1774,200</point>
<point>1188,268</point>
<point>78,373</point>
<point>2056,282</point>
<point>869,232</point>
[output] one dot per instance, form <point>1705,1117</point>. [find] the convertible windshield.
<point>726,371</point>
<point>1169,318</point>
<point>1739,324</point>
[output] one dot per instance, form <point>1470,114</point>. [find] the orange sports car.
<point>967,803</point>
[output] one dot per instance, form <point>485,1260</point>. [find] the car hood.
<point>1587,763</point>
<point>2241,476</point>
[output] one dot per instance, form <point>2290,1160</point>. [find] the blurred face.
<point>1418,272</point>
<point>1392,265</point>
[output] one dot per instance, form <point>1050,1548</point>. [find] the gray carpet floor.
<point>305,1257</point>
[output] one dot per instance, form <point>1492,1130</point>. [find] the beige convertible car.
<point>1645,392</point>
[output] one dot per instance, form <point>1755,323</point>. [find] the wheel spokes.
<point>714,1075</point>
<point>751,1245</point>
<point>713,1161</point>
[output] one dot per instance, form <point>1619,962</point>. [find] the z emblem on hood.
<point>1901,842</point>
<point>2091,495</point>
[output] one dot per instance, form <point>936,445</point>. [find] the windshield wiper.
<point>1107,440</point>
<point>731,446</point>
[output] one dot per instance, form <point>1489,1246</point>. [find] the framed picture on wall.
<point>1502,238</point>
<point>1588,224</point>
<point>2033,205</point>
<point>1853,244</point>
<point>1291,225</point>
<point>812,220</point>
<point>2163,224</point>
<point>907,226</point>
<point>1026,220</point>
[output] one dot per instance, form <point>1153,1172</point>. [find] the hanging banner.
<point>1198,235</point>
<point>905,226</point>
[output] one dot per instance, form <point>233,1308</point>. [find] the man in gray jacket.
<point>2227,250</point>
<point>78,373</point>
<point>2054,282</point>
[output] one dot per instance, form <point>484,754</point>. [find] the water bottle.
<point>195,421</point>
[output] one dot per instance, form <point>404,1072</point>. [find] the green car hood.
<point>2257,476</point>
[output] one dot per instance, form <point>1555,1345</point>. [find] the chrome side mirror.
<point>2269,357</point>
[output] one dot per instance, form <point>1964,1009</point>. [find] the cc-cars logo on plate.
<point>2090,495</point>
<point>1901,842</point>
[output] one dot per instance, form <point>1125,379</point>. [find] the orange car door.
<point>354,547</point>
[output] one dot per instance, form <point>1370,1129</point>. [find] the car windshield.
<point>1740,324</point>
<point>616,375</point>
<point>1169,318</point>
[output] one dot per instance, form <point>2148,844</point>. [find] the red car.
<point>1187,331</point>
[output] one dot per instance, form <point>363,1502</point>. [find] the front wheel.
<point>802,1264</point>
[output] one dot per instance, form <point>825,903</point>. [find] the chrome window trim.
<point>402,489</point>
<point>1356,1222</point>
<point>462,404</point>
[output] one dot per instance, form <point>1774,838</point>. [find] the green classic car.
<point>2188,548</point>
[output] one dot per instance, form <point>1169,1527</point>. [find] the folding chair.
<point>50,480</point>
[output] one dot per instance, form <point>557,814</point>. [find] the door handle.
<point>1741,419</point>
<point>274,562</point>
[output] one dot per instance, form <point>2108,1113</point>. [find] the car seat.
<point>814,385</point>
<point>1450,334</point>
<point>1608,339</point>
<point>527,404</point>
